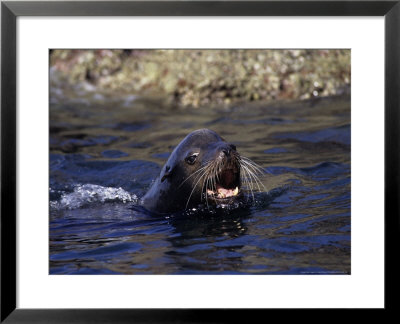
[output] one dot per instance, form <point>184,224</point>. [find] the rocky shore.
<point>208,77</point>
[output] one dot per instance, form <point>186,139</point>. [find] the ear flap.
<point>166,173</point>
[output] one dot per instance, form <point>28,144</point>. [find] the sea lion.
<point>203,170</point>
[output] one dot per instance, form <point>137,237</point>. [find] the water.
<point>105,151</point>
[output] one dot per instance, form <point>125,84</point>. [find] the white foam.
<point>90,193</point>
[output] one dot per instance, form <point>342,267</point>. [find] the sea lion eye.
<point>191,158</point>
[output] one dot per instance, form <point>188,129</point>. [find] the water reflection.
<point>105,152</point>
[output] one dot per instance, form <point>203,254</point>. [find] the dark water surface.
<point>105,152</point>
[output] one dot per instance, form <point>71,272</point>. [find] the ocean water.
<point>105,151</point>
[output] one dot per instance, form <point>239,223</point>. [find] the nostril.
<point>226,151</point>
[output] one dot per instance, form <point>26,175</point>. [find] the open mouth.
<point>227,184</point>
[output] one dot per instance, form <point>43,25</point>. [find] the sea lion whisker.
<point>251,173</point>
<point>248,183</point>
<point>193,174</point>
<point>212,176</point>
<point>207,194</point>
<point>245,158</point>
<point>214,184</point>
<point>243,177</point>
<point>203,163</point>
<point>255,171</point>
<point>194,187</point>
<point>210,180</point>
<point>258,181</point>
<point>202,189</point>
<point>253,177</point>
<point>253,165</point>
<point>213,179</point>
<point>205,181</point>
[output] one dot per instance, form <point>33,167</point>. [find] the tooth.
<point>235,192</point>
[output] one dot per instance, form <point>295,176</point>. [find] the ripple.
<point>89,193</point>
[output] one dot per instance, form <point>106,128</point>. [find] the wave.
<point>90,193</point>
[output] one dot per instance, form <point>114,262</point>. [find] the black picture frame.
<point>10,10</point>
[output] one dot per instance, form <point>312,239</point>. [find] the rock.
<point>208,77</point>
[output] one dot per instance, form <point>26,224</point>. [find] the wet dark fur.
<point>183,185</point>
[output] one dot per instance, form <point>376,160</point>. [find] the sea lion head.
<point>203,169</point>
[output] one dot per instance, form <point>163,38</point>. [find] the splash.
<point>90,193</point>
